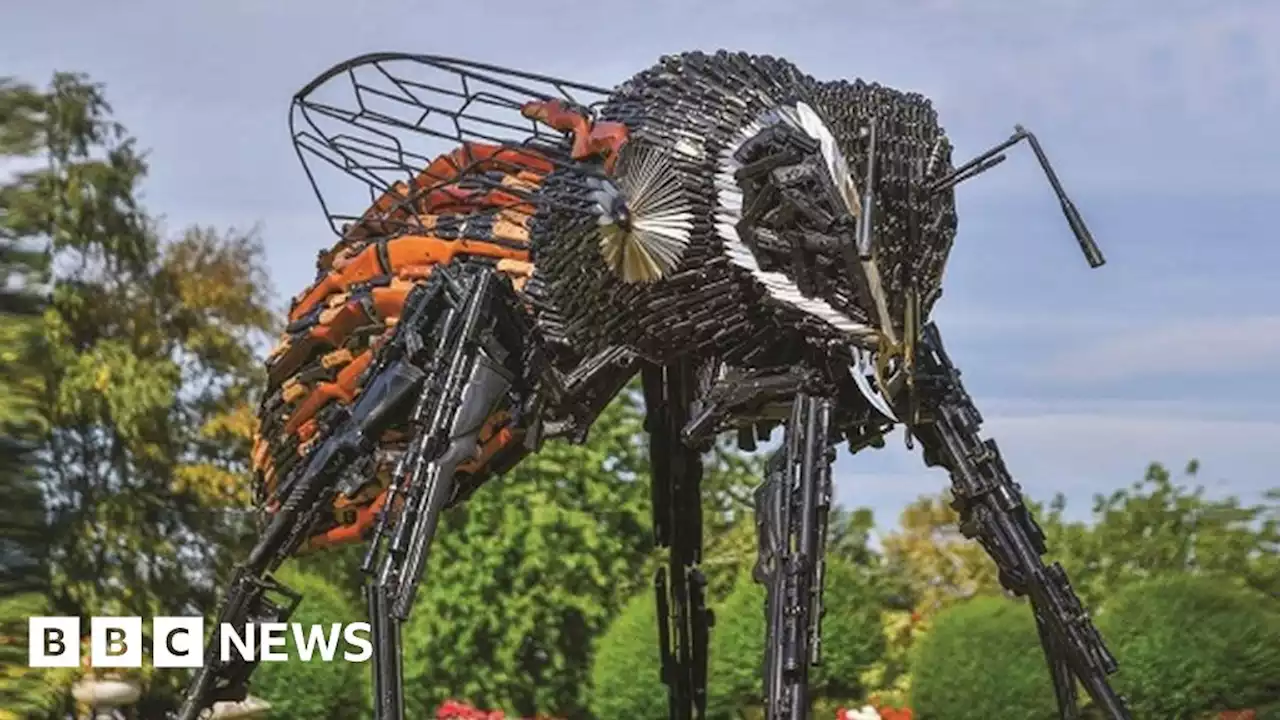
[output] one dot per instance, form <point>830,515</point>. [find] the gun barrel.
<point>1087,245</point>
<point>1083,236</point>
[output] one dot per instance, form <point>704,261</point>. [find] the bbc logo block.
<point>179,642</point>
<point>54,642</point>
<point>115,642</point>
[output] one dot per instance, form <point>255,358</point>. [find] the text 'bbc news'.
<point>179,642</point>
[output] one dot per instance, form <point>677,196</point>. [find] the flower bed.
<point>455,710</point>
<point>874,712</point>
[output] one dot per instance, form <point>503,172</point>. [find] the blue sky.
<point>1160,116</point>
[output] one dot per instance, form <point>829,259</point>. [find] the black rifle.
<point>791,517</point>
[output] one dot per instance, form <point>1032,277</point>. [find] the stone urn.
<point>250,707</point>
<point>104,695</point>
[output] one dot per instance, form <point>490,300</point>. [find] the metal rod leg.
<point>993,512</point>
<point>792,508</point>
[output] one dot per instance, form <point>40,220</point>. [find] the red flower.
<point>455,710</point>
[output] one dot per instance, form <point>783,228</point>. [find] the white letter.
<point>230,637</point>
<point>273,636</point>
<point>317,637</point>
<point>53,642</point>
<point>366,651</point>
<point>177,642</point>
<point>116,642</point>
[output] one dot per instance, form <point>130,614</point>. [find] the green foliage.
<point>1156,526</point>
<point>981,659</point>
<point>299,689</point>
<point>24,542</point>
<point>737,650</point>
<point>849,535</point>
<point>25,692</point>
<point>1189,644</point>
<point>934,564</point>
<point>625,673</point>
<point>852,632</point>
<point>527,574</point>
<point>852,641</point>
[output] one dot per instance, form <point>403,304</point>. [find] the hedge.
<point>982,659</point>
<point>625,679</point>
<point>1191,644</point>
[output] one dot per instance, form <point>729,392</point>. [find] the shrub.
<point>737,650</point>
<point>1191,644</point>
<point>982,659</point>
<point>298,689</point>
<point>852,633</point>
<point>853,638</point>
<point>625,680</point>
<point>625,671</point>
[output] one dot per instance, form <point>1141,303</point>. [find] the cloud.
<point>1179,57</point>
<point>1183,347</point>
<point>1079,454</point>
<point>1082,448</point>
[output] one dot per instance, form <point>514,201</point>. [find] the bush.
<point>625,675</point>
<point>853,640</point>
<point>297,689</point>
<point>1190,644</point>
<point>737,651</point>
<point>982,659</point>
<point>625,679</point>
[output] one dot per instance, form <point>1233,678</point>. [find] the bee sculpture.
<point>762,248</point>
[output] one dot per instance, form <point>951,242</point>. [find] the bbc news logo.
<point>178,642</point>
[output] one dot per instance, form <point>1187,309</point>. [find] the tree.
<point>300,689</point>
<point>938,565</point>
<point>1191,644</point>
<point>23,270</point>
<point>25,693</point>
<point>1157,527</point>
<point>147,365</point>
<point>982,659</point>
<point>24,577</point>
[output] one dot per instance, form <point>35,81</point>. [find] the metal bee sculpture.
<point>762,248</point>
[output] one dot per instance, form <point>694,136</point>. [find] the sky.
<point>1160,117</point>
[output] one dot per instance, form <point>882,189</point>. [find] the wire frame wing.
<point>395,137</point>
